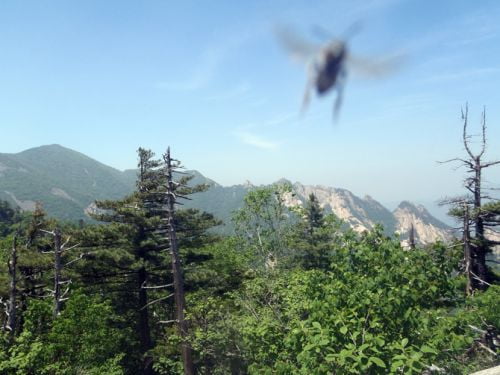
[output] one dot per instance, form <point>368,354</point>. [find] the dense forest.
<point>151,288</point>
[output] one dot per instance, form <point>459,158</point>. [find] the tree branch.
<point>156,300</point>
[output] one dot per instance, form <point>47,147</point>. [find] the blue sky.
<point>209,79</point>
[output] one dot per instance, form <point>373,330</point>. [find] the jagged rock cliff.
<point>364,213</point>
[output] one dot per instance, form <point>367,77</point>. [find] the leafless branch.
<point>483,128</point>
<point>168,321</point>
<point>465,137</point>
<point>456,159</point>
<point>156,287</point>
<point>65,243</point>
<point>486,348</point>
<point>71,247</point>
<point>478,279</point>
<point>155,301</point>
<point>476,329</point>
<point>76,259</point>
<point>489,164</point>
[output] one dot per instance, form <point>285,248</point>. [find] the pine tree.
<point>314,214</point>
<point>315,235</point>
<point>138,253</point>
<point>131,253</point>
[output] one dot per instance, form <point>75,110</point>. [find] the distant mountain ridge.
<point>361,214</point>
<point>68,182</point>
<point>65,181</point>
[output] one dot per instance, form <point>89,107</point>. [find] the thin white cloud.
<point>200,77</point>
<point>277,120</point>
<point>281,119</point>
<point>256,141</point>
<point>230,94</point>
<point>206,66</point>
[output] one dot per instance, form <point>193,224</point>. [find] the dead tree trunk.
<point>11,305</point>
<point>57,271</point>
<point>176,266</point>
<point>467,252</point>
<point>411,240</point>
<point>474,185</point>
<point>478,246</point>
<point>59,249</point>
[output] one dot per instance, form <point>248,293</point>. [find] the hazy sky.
<point>209,79</point>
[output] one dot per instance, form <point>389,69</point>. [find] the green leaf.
<point>343,330</point>
<point>377,361</point>
<point>363,347</point>
<point>416,356</point>
<point>330,358</point>
<point>324,342</point>
<point>399,356</point>
<point>316,325</point>
<point>395,365</point>
<point>404,342</point>
<point>308,347</point>
<point>428,349</point>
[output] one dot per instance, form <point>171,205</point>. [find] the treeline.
<point>292,291</point>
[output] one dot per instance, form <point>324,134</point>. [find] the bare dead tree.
<point>411,240</point>
<point>180,303</point>
<point>59,249</point>
<point>479,245</point>
<point>11,304</point>
<point>467,253</point>
<point>57,271</point>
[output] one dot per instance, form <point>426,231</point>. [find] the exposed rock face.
<point>92,209</point>
<point>25,205</point>
<point>364,213</point>
<point>61,193</point>
<point>360,214</point>
<point>427,228</point>
<point>67,183</point>
<point>494,235</point>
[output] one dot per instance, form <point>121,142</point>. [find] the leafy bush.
<point>82,340</point>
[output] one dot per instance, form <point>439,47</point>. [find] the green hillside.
<point>65,181</point>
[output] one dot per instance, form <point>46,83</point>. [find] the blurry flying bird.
<point>327,63</point>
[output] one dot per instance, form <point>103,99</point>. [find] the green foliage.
<point>8,217</point>
<point>330,300</point>
<point>224,268</point>
<point>375,312</point>
<point>263,224</point>
<point>81,340</point>
<point>313,244</point>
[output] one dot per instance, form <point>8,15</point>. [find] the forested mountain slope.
<point>67,183</point>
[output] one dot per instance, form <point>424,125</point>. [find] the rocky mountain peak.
<point>68,182</point>
<point>427,228</point>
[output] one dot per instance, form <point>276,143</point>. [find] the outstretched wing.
<point>297,47</point>
<point>374,67</point>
